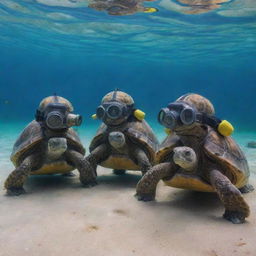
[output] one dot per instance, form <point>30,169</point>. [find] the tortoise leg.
<point>15,181</point>
<point>87,174</point>
<point>119,172</point>
<point>142,159</point>
<point>246,189</point>
<point>146,187</point>
<point>236,209</point>
<point>98,155</point>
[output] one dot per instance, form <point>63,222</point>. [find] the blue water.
<point>80,53</point>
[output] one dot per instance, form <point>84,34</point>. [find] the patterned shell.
<point>139,132</point>
<point>31,136</point>
<point>223,150</point>
<point>229,155</point>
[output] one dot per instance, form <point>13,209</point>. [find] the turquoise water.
<point>65,47</point>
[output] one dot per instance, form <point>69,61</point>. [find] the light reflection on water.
<point>223,31</point>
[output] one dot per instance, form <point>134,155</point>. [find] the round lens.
<point>114,112</point>
<point>54,121</point>
<point>161,116</point>
<point>169,120</point>
<point>100,112</point>
<point>187,116</point>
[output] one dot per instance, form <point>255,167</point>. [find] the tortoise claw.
<point>145,197</point>
<point>15,191</point>
<point>89,184</point>
<point>246,189</point>
<point>234,216</point>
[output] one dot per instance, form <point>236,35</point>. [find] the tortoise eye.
<point>187,153</point>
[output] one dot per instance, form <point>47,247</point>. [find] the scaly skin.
<point>146,188</point>
<point>16,179</point>
<point>236,209</point>
<point>118,141</point>
<point>87,177</point>
<point>140,156</point>
<point>98,155</point>
<point>246,189</point>
<point>103,151</point>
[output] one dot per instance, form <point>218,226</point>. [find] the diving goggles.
<point>180,113</point>
<point>113,110</point>
<point>57,117</point>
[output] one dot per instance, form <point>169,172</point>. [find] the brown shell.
<point>222,149</point>
<point>228,154</point>
<point>31,136</point>
<point>52,99</point>
<point>119,96</point>
<point>139,132</point>
<point>166,147</point>
<point>199,102</point>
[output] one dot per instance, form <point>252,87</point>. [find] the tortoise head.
<point>116,107</point>
<point>116,139</point>
<point>185,157</point>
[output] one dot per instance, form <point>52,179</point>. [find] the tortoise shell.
<point>31,137</point>
<point>223,150</point>
<point>135,131</point>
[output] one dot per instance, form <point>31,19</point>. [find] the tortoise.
<point>198,157</point>
<point>124,141</point>
<point>121,7</point>
<point>48,145</point>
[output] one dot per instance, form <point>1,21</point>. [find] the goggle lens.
<point>187,116</point>
<point>100,112</point>
<point>54,121</point>
<point>167,118</point>
<point>114,112</point>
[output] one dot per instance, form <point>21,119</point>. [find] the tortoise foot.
<point>89,183</point>
<point>145,197</point>
<point>246,189</point>
<point>119,172</point>
<point>234,216</point>
<point>69,174</point>
<point>15,191</point>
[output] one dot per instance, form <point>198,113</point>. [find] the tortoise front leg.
<point>98,155</point>
<point>142,160</point>
<point>87,174</point>
<point>146,187</point>
<point>236,209</point>
<point>16,179</point>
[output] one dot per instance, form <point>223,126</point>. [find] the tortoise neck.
<point>48,133</point>
<point>194,137</point>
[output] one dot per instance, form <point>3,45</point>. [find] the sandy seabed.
<point>58,217</point>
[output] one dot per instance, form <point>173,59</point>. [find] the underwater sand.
<point>58,217</point>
